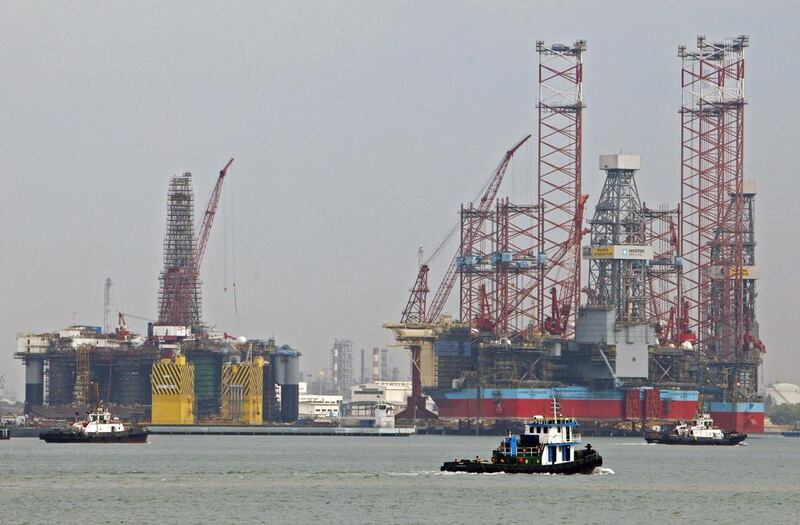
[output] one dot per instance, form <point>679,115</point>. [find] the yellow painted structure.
<point>172,387</point>
<point>242,392</point>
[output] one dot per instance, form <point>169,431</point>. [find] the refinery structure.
<point>625,313</point>
<point>181,371</point>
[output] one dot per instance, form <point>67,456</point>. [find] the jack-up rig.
<point>666,321</point>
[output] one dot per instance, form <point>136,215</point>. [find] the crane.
<point>183,279</point>
<point>414,312</point>
<point>446,286</point>
<point>560,309</point>
<point>484,320</point>
<point>208,220</point>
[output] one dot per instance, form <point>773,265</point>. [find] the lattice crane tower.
<point>618,252</point>
<point>560,108</point>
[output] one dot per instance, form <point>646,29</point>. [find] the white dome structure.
<point>780,393</point>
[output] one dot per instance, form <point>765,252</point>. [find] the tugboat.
<point>547,446</point>
<point>701,431</point>
<point>98,427</point>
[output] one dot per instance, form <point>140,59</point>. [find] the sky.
<point>358,128</point>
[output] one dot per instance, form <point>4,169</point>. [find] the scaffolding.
<point>180,290</point>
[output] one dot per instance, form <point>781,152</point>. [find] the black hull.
<point>584,465</point>
<point>733,438</point>
<point>61,436</point>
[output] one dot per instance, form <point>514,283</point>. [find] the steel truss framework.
<point>474,261</point>
<point>712,133</point>
<point>414,312</point>
<point>179,294</point>
<point>619,220</point>
<point>500,262</point>
<point>560,109</point>
<point>664,271</point>
<point>516,267</point>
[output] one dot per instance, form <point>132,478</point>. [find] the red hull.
<point>745,422</point>
<point>579,408</point>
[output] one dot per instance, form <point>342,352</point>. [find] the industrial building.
<point>627,315</point>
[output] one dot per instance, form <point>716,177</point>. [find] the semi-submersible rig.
<point>181,371</point>
<point>665,324</point>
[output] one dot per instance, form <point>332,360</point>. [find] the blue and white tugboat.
<point>547,446</point>
<point>98,427</point>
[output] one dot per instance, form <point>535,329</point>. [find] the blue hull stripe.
<point>564,393</point>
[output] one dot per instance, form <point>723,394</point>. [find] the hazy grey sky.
<point>357,128</point>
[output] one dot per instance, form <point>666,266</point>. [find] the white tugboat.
<point>701,431</point>
<point>98,427</point>
<point>547,446</point>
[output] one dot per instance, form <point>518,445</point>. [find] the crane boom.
<point>446,286</point>
<point>208,220</point>
<point>180,282</point>
<point>414,312</point>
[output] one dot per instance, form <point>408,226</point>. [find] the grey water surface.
<point>243,479</point>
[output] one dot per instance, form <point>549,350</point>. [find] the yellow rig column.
<point>172,385</point>
<point>242,392</point>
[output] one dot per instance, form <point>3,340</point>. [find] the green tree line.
<point>785,414</point>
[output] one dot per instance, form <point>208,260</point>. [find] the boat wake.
<point>462,473</point>
<point>602,471</point>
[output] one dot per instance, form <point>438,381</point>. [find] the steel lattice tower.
<point>664,271</point>
<point>179,284</point>
<point>712,212</point>
<point>617,271</point>
<point>474,262</point>
<point>560,109</point>
<point>516,266</point>
<point>750,273</point>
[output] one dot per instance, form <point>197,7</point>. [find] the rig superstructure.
<point>181,371</point>
<point>665,324</point>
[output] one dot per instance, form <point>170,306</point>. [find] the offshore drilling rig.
<point>666,323</point>
<point>181,371</point>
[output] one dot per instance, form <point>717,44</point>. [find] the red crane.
<point>208,220</point>
<point>182,280</point>
<point>560,308</point>
<point>446,286</point>
<point>484,321</point>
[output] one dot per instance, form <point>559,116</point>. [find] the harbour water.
<point>260,479</point>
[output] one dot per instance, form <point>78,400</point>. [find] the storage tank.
<point>285,370</point>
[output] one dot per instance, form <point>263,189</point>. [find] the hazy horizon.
<point>358,128</point>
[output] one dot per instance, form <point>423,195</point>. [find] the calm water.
<point>388,480</point>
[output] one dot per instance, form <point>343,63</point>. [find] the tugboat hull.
<point>583,465</point>
<point>672,439</point>
<point>62,436</point>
